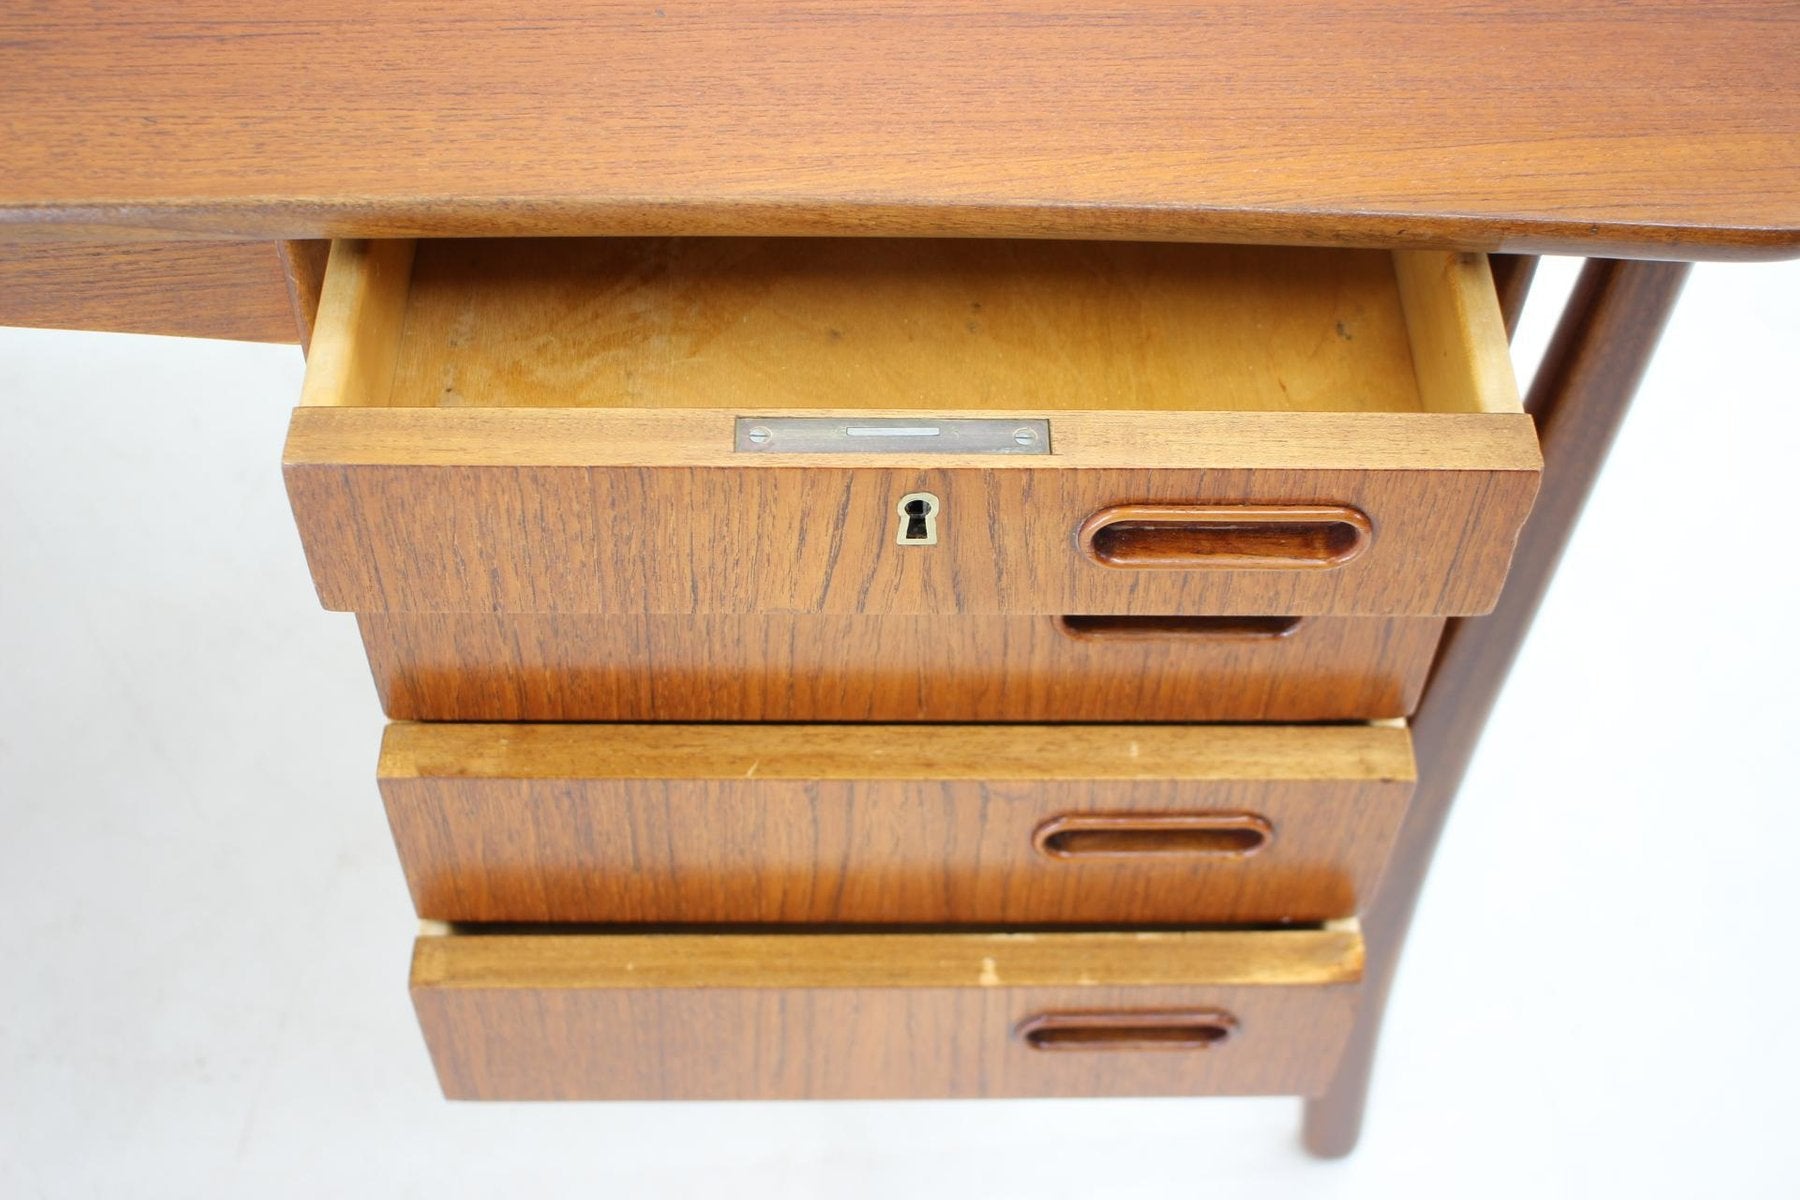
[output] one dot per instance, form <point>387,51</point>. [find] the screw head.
<point>759,435</point>
<point>1025,435</point>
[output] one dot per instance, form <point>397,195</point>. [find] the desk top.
<point>1647,130</point>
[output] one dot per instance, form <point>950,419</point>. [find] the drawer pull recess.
<point>1177,537</point>
<point>1201,1030</point>
<point>1107,628</point>
<point>1109,835</point>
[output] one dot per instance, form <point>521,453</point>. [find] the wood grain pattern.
<point>1444,443</point>
<point>488,667</point>
<point>1457,331</point>
<point>452,958</point>
<point>1609,127</point>
<point>807,753</point>
<point>879,324</point>
<point>188,289</point>
<point>1512,283</point>
<point>529,518</point>
<point>1582,389</point>
<point>304,263</point>
<point>1290,537</point>
<point>893,323</point>
<point>778,824</point>
<point>356,331</point>
<point>820,539</point>
<point>895,1015</point>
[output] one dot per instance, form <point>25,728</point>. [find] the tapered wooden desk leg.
<point>1579,397</point>
<point>1512,280</point>
<point>303,263</point>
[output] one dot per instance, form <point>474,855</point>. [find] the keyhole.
<point>915,520</point>
<point>918,519</point>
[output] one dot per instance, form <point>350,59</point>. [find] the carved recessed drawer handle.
<point>1198,1030</point>
<point>1113,835</point>
<point>1168,628</point>
<point>1237,537</point>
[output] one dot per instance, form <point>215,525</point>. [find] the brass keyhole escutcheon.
<point>918,519</point>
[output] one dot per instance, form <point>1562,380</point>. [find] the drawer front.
<point>487,510</point>
<point>597,427</point>
<point>583,667</point>
<point>835,1016</point>
<point>946,824</point>
<point>183,289</point>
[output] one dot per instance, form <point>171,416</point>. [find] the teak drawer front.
<point>230,290</point>
<point>1228,431</point>
<point>816,667</point>
<point>923,824</point>
<point>849,1016</point>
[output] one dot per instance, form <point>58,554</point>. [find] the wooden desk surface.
<point>1656,130</point>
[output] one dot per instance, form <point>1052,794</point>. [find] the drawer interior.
<point>941,325</point>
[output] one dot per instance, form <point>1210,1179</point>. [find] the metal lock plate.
<point>892,435</point>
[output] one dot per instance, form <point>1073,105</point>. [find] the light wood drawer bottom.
<point>846,1016</point>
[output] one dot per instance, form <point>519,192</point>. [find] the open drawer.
<point>894,824</point>
<point>597,1016</point>
<point>909,427</point>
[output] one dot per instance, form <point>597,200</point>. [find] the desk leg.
<point>1512,279</point>
<point>304,265</point>
<point>1593,366</point>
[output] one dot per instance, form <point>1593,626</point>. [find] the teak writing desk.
<point>1098,746</point>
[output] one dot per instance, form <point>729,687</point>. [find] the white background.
<point>205,935</point>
